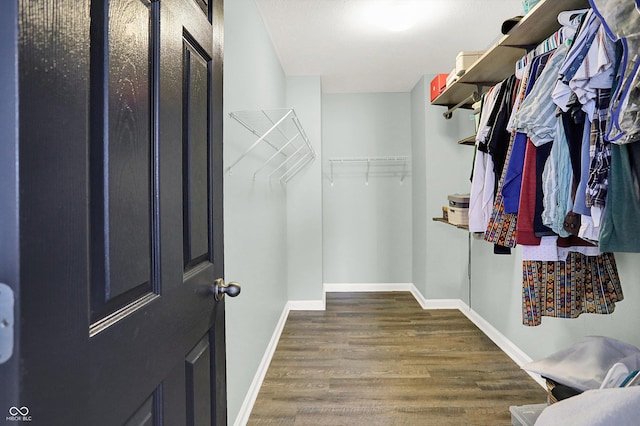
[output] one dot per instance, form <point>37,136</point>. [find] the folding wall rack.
<point>396,166</point>
<point>281,131</point>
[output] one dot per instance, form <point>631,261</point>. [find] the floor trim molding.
<point>358,287</point>
<point>254,388</point>
<point>306,305</point>
<point>506,345</point>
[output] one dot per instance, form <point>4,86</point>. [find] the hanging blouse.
<point>556,179</point>
<point>580,47</point>
<point>536,116</point>
<point>595,72</point>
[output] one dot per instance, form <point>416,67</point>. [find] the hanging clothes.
<point>536,116</point>
<point>556,178</point>
<point>501,230</point>
<point>513,174</point>
<point>499,138</point>
<point>482,194</point>
<point>598,183</point>
<point>575,59</point>
<point>595,72</point>
<point>560,188</point>
<point>526,210</point>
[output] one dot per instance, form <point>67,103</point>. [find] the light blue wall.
<point>304,196</point>
<point>255,212</point>
<point>367,228</point>
<point>442,167</point>
<point>497,297</point>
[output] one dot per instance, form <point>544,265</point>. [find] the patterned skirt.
<point>566,289</point>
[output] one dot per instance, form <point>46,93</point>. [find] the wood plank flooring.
<point>380,359</point>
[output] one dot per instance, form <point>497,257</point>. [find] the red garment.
<point>525,234</point>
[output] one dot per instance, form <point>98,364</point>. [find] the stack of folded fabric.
<point>592,382</point>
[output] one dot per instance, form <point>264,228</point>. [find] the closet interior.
<point>555,182</point>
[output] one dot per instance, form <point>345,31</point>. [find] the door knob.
<point>220,289</point>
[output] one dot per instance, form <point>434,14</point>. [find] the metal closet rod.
<point>474,97</point>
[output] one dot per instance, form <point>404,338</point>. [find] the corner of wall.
<point>419,184</point>
<point>304,196</point>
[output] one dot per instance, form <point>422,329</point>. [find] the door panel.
<point>198,371</point>
<point>144,416</point>
<point>128,145</point>
<point>120,171</point>
<point>123,45</point>
<point>196,153</point>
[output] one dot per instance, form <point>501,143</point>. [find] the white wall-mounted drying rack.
<point>387,166</point>
<point>279,129</point>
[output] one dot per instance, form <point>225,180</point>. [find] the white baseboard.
<point>306,305</point>
<point>258,378</point>
<point>508,347</point>
<point>357,287</point>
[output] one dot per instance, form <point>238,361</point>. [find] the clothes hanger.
<point>566,18</point>
<point>570,22</point>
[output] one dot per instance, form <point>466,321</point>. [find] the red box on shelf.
<point>438,84</point>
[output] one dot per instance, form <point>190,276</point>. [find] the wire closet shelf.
<point>397,166</point>
<point>279,130</point>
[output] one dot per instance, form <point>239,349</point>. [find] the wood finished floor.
<point>380,359</point>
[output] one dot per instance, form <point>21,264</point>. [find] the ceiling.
<point>379,45</point>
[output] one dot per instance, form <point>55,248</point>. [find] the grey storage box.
<point>525,415</point>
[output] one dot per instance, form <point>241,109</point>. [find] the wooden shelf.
<point>540,22</point>
<point>498,61</point>
<point>440,219</point>
<point>469,140</point>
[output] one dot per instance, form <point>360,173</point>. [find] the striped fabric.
<point>580,47</point>
<point>537,114</point>
<point>556,181</point>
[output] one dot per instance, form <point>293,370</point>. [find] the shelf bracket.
<point>368,167</point>
<point>331,164</point>
<point>404,169</point>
